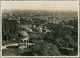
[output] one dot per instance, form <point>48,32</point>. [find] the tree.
<point>9,29</point>
<point>46,49</point>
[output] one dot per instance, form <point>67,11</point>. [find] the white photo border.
<point>38,56</point>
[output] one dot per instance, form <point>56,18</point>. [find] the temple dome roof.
<point>23,34</point>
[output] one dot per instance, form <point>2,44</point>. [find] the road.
<point>4,47</point>
<point>16,44</point>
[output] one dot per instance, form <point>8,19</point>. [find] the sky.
<point>41,5</point>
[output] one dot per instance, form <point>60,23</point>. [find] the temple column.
<point>23,42</point>
<point>26,44</point>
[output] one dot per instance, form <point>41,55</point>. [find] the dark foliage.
<point>62,37</point>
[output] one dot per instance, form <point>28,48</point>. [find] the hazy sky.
<point>41,5</point>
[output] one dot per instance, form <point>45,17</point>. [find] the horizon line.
<point>41,10</point>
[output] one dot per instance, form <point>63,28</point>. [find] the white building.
<point>24,39</point>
